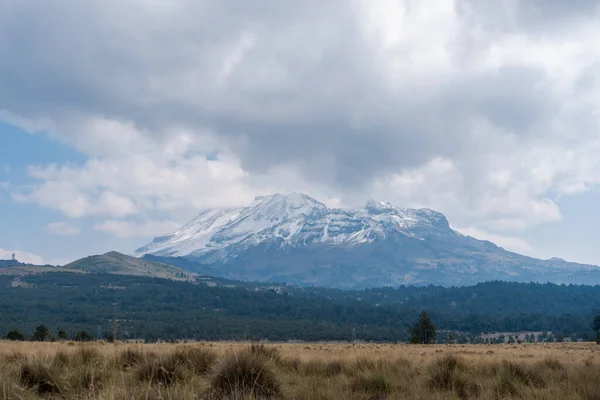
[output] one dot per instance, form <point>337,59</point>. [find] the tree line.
<point>43,334</point>
<point>155,309</point>
<point>423,331</point>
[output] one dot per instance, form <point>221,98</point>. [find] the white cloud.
<point>127,229</point>
<point>62,229</point>
<point>478,110</point>
<point>21,256</point>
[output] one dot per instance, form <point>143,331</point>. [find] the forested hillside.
<point>157,308</point>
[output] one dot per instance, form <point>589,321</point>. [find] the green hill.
<point>120,264</point>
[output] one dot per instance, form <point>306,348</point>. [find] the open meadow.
<point>303,371</point>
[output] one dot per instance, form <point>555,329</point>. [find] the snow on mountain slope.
<point>296,220</point>
<point>296,239</point>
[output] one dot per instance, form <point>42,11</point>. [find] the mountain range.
<point>297,239</point>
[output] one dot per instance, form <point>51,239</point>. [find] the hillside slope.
<point>120,264</point>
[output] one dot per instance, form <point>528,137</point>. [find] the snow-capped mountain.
<point>295,238</point>
<point>295,219</point>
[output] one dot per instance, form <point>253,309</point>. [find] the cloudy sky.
<point>119,120</point>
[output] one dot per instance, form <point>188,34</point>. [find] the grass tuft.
<point>163,370</point>
<point>130,357</point>
<point>375,384</point>
<point>41,376</point>
<point>199,361</point>
<point>554,364</point>
<point>261,350</point>
<point>244,374</point>
<point>450,373</point>
<point>525,375</point>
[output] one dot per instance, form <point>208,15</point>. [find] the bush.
<point>15,335</point>
<point>244,374</point>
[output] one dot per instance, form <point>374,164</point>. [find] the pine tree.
<point>62,335</point>
<point>597,328</point>
<point>83,336</point>
<point>41,333</point>
<point>423,332</point>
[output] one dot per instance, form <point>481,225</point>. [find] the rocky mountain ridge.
<point>297,239</point>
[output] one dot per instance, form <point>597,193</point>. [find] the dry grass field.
<point>298,371</point>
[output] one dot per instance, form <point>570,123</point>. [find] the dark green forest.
<point>153,309</point>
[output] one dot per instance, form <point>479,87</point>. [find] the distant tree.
<point>511,339</point>
<point>83,336</point>
<point>423,332</point>
<point>550,338</point>
<point>15,335</point>
<point>110,337</point>
<point>597,328</point>
<point>62,335</point>
<point>41,333</point>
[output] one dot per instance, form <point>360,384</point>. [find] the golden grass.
<point>313,371</point>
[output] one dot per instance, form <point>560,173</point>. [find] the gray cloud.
<point>351,96</point>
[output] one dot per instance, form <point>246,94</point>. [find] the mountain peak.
<point>295,238</point>
<point>293,220</point>
<point>378,207</point>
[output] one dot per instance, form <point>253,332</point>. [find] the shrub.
<point>244,374</point>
